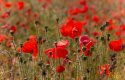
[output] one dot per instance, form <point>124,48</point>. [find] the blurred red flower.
<point>87,43</point>
<point>84,39</point>
<point>74,11</point>
<point>82,2</point>
<point>2,38</point>
<point>62,43</point>
<point>56,53</point>
<point>6,26</point>
<point>84,9</point>
<point>5,15</point>
<point>60,69</point>
<point>13,28</point>
<point>32,37</point>
<point>104,69</point>
<point>8,5</point>
<point>30,46</point>
<point>88,46</point>
<point>111,27</point>
<point>20,5</point>
<point>96,33</point>
<point>95,18</point>
<point>116,45</point>
<point>71,28</point>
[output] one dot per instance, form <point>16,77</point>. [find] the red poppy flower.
<point>2,38</point>
<point>95,33</point>
<point>111,27</point>
<point>62,43</point>
<point>8,5</point>
<point>65,60</point>
<point>36,15</point>
<point>60,69</point>
<point>74,11</point>
<point>71,28</point>
<point>86,30</point>
<point>89,45</point>
<point>20,5</point>
<point>5,15</point>
<point>9,43</point>
<point>82,2</point>
<point>48,62</point>
<point>6,26</point>
<point>84,9</point>
<point>56,53</point>
<point>30,46</point>
<point>13,28</point>
<point>116,45</point>
<point>96,18</point>
<point>32,37</point>
<point>83,40</point>
<point>24,26</point>
<point>118,33</point>
<point>104,69</point>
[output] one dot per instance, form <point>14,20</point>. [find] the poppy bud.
<point>46,28</point>
<point>21,60</point>
<point>84,58</point>
<point>17,54</point>
<point>78,50</point>
<point>102,28</point>
<point>12,32</point>
<point>25,62</point>
<point>83,49</point>
<point>44,73</point>
<point>88,70</point>
<point>108,37</point>
<point>76,39</point>
<point>37,23</point>
<point>113,55</point>
<point>92,48</point>
<point>107,23</point>
<point>103,39</point>
<point>40,64</point>
<point>39,39</point>
<point>97,37</point>
<point>57,20</point>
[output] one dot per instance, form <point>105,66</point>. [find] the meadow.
<point>62,40</point>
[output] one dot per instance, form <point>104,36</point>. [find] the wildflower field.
<point>62,39</point>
